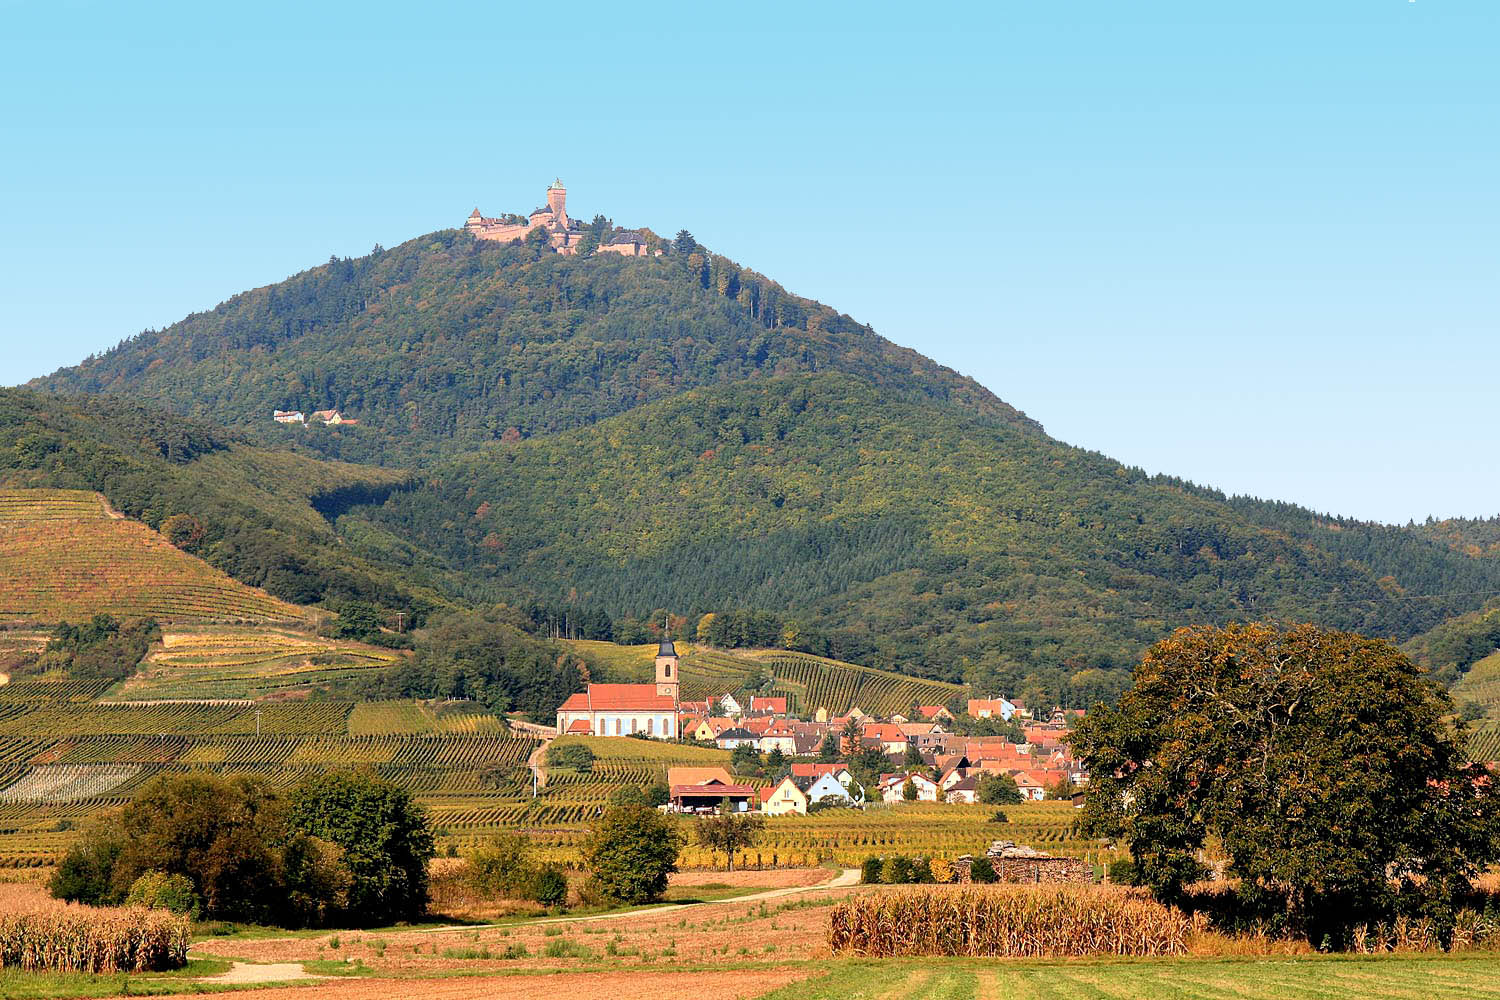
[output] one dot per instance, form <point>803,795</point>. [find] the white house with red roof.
<point>623,709</point>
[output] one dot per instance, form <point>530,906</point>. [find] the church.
<point>622,709</point>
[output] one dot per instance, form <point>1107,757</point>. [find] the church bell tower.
<point>666,670</point>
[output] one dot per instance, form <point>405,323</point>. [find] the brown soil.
<point>776,878</point>
<point>656,985</point>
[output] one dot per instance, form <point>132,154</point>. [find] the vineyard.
<point>63,557</point>
<point>1481,685</point>
<point>808,682</point>
<point>229,662</point>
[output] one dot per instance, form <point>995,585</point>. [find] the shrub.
<point>84,939</point>
<point>983,870</point>
<point>1009,921</point>
<point>160,891</point>
<point>942,871</point>
<point>870,870</point>
<point>1122,871</point>
<point>998,790</point>
<point>564,948</point>
<point>921,871</point>
<point>574,755</point>
<point>550,887</point>
<point>502,867</point>
<point>895,870</point>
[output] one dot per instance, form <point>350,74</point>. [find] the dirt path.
<point>537,762</point>
<point>654,985</point>
<point>846,878</point>
<point>246,973</point>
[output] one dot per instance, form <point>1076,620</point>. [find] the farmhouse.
<point>623,709</point>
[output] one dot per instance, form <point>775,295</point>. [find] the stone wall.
<point>1043,870</point>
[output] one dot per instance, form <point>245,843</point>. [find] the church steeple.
<point>667,681</point>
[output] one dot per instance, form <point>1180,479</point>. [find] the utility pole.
<point>257,723</point>
<point>400,622</point>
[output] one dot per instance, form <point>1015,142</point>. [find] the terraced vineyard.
<point>818,682</point>
<point>809,682</point>
<point>225,662</point>
<point>63,556</point>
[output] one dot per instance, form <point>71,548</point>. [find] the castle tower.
<point>557,200</point>
<point>667,680</point>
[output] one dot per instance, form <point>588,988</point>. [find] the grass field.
<point>1321,978</point>
<point>808,682</point>
<point>64,557</point>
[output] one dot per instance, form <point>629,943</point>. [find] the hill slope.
<point>64,557</point>
<point>257,514</point>
<point>632,435</point>
<point>899,532</point>
<point>445,343</point>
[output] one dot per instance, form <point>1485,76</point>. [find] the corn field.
<point>1002,921</point>
<point>86,939</point>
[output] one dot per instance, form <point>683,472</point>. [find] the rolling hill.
<point>616,437</point>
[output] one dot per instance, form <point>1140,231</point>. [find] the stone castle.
<point>562,232</point>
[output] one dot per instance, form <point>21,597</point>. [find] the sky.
<point>1255,245</point>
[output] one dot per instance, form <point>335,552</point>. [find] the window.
<point>651,726</point>
<point>669,669</point>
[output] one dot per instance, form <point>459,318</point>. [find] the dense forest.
<point>903,532</point>
<point>445,343</point>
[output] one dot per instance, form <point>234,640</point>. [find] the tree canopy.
<point>1320,761</point>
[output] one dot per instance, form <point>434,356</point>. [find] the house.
<point>698,708</point>
<point>964,791</point>
<point>806,744</point>
<point>330,417</point>
<point>934,713</point>
<point>624,709</point>
<point>828,788</point>
<point>709,797</point>
<point>779,736</point>
<point>840,773</point>
<point>893,787</point>
<point>1031,789</point>
<point>989,708</point>
<point>289,417</point>
<point>736,737</point>
<point>892,739</point>
<point>767,705</point>
<point>730,707</point>
<point>709,729</point>
<point>784,797</point>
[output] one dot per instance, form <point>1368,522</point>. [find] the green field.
<point>1390,977</point>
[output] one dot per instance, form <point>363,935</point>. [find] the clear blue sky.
<point>1253,244</point>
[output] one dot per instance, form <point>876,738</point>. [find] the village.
<point>928,755</point>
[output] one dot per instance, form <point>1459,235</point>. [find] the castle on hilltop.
<point>563,233</point>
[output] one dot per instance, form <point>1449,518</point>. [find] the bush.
<point>1122,872</point>
<point>502,867</point>
<point>895,870</point>
<point>870,871</point>
<point>574,755</point>
<point>983,870</point>
<point>631,852</point>
<point>942,871</point>
<point>1008,921</point>
<point>160,891</point>
<point>550,886</point>
<point>921,871</point>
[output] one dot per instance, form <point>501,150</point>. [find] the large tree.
<point>631,852</point>
<point>1320,762</point>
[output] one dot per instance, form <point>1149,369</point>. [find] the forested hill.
<point>903,532</point>
<point>445,343</point>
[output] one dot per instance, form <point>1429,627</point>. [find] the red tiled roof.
<point>580,726</point>
<point>619,698</point>
<point>815,770</point>
<point>767,704</point>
